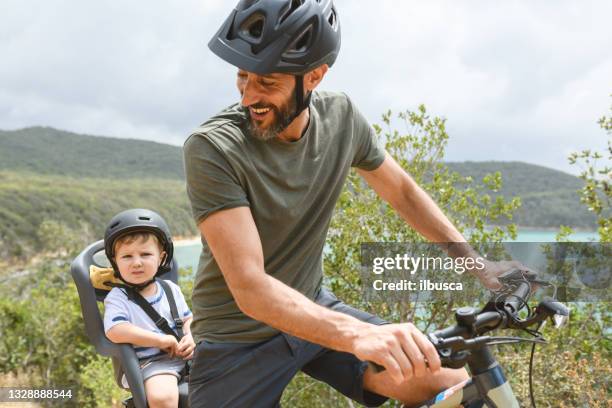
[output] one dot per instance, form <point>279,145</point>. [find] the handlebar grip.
<point>517,299</point>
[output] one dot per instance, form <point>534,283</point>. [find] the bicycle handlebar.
<point>501,312</point>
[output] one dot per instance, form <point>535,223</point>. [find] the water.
<point>549,236</point>
<point>188,255</point>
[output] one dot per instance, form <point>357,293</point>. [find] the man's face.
<point>269,100</point>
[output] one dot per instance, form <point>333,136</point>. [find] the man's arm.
<point>411,202</point>
<point>414,205</point>
<point>236,247</point>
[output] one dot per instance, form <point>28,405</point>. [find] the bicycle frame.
<point>488,387</point>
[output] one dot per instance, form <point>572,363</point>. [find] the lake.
<point>188,254</point>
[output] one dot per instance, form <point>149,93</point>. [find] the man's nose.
<point>249,91</point>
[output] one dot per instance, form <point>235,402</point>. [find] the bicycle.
<point>465,343</point>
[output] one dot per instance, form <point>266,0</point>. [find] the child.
<point>139,246</point>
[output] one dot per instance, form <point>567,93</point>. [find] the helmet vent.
<point>115,224</point>
<point>144,218</point>
<point>301,44</point>
<point>253,27</point>
<point>333,21</point>
<point>292,7</point>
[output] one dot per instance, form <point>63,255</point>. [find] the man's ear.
<point>314,77</point>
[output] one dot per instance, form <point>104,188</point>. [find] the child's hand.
<point>186,347</point>
<point>168,344</point>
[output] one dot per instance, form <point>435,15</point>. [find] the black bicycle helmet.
<point>134,220</point>
<point>284,36</point>
<point>290,36</point>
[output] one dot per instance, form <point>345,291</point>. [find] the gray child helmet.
<point>136,220</point>
<point>280,36</point>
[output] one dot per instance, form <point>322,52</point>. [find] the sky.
<point>516,80</point>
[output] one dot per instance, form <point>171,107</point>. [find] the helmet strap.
<point>301,102</point>
<point>137,286</point>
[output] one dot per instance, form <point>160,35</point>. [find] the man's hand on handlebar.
<point>400,348</point>
<point>492,270</point>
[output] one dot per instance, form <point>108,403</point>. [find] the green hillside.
<point>81,181</point>
<point>84,205</point>
<point>549,196</point>
<point>520,178</point>
<point>45,150</point>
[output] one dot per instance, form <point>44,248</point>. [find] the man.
<point>263,178</point>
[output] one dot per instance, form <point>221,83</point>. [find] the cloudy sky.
<point>516,80</point>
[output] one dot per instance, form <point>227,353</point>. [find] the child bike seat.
<point>123,355</point>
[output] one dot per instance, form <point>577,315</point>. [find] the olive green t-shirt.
<point>291,189</point>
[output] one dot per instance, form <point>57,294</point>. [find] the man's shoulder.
<point>223,128</point>
<point>330,98</point>
<point>331,104</point>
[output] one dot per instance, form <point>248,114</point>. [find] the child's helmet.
<point>136,220</point>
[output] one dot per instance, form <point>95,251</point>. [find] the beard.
<point>282,117</point>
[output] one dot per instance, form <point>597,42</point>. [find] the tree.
<point>597,192</point>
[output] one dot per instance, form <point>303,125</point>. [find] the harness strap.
<point>159,321</point>
<point>173,309</point>
<point>184,374</point>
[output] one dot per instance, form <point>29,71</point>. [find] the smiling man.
<point>263,177</point>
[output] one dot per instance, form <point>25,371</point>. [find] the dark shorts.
<point>255,375</point>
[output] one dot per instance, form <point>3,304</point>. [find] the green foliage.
<point>597,193</point>
<point>573,369</point>
<point>97,378</point>
<point>362,217</point>
<point>185,282</point>
<point>43,330</point>
<point>578,357</point>
<point>31,205</point>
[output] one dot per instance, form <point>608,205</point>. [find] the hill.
<point>82,205</point>
<point>549,197</point>
<point>44,150</point>
<point>81,181</point>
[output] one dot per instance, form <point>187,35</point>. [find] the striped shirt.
<point>119,309</point>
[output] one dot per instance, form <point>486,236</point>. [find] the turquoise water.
<point>549,236</point>
<point>188,255</point>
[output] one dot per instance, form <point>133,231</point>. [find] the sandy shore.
<point>185,241</point>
